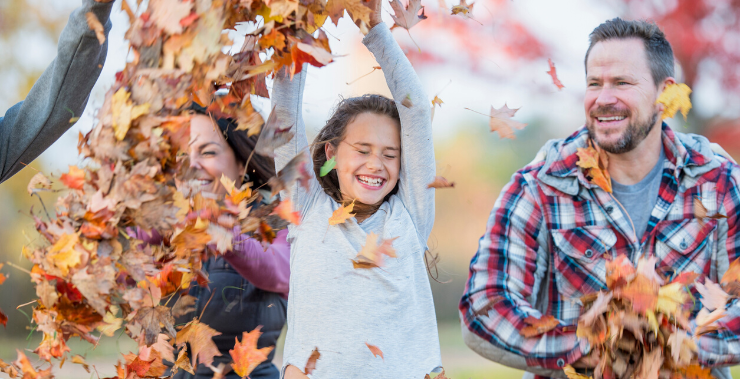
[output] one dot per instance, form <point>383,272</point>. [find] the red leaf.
<point>75,179</point>
<point>375,350</point>
<point>553,74</point>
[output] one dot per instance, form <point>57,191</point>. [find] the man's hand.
<point>588,361</point>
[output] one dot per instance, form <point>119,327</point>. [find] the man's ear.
<point>329,150</point>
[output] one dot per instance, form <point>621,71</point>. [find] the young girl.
<point>384,161</point>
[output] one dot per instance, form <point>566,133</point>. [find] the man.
<point>61,92</point>
<point>552,230</point>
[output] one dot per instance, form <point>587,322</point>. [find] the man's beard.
<point>635,133</point>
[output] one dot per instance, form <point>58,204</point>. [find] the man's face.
<point>620,95</point>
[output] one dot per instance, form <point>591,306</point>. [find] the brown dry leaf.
<point>375,350</point>
<point>642,293</point>
<point>597,308</point>
<point>683,347</point>
<point>712,295</point>
<point>440,182</point>
<point>311,363</point>
<point>706,321</point>
<point>537,326</point>
<point>463,9</point>
<point>168,13</point>
<point>619,272</point>
<point>502,123</point>
<point>221,237</point>
<point>701,212</point>
<point>94,24</point>
<point>646,268</point>
<point>246,355</point>
<point>78,359</point>
<point>733,273</point>
<point>184,305</point>
<point>273,135</point>
<point>111,323</point>
<point>152,320</point>
<point>39,182</point>
<point>355,8</point>
<point>200,338</point>
<point>183,363</point>
<point>651,363</point>
<point>371,255</point>
<point>342,214</point>
<point>409,16</point>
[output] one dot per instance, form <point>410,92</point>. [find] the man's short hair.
<point>657,48</point>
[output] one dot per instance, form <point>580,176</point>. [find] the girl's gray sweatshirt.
<point>335,307</point>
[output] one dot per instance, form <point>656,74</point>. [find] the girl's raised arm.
<point>287,103</point>
<point>417,149</point>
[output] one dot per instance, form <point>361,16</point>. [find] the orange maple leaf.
<point>697,372</point>
<point>642,294</point>
<point>596,163</point>
<point>285,211</point>
<point>375,350</point>
<point>311,363</point>
<point>619,272</point>
<point>246,355</point>
<point>75,179</point>
<point>502,123</point>
<point>371,254</point>
<point>537,326</point>
<point>342,214</point>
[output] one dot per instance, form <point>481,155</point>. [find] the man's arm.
<point>511,263</point>
<point>61,92</point>
<point>722,348</point>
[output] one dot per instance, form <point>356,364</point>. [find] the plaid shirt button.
<point>609,209</point>
<point>589,253</point>
<point>561,362</point>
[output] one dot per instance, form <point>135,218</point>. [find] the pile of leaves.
<point>94,270</point>
<point>640,327</point>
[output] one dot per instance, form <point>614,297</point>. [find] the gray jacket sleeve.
<point>31,126</point>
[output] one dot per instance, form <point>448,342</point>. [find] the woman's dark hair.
<point>333,133</point>
<point>260,168</point>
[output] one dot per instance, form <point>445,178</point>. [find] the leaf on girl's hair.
<point>571,373</point>
<point>200,337</point>
<point>246,355</point>
<point>74,179</point>
<point>94,24</point>
<point>407,17</point>
<point>712,295</point>
<point>463,9</point>
<point>502,123</point>
<point>328,166</point>
<point>294,170</point>
<point>371,254</point>
<point>39,182</point>
<point>375,350</point>
<point>406,102</point>
<point>553,74</point>
<point>537,326</point>
<point>342,214</point>
<point>675,97</point>
<point>311,363</point>
<point>440,182</point>
<point>596,165</point>
<point>285,211</point>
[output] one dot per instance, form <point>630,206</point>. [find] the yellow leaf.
<point>227,183</point>
<point>246,355</point>
<point>675,97</point>
<point>571,373</point>
<point>63,253</point>
<point>123,112</point>
<point>112,323</point>
<point>342,214</point>
<point>182,204</point>
<point>670,298</point>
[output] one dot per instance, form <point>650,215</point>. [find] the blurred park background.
<point>497,57</point>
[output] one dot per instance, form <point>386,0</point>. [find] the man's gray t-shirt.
<point>640,198</point>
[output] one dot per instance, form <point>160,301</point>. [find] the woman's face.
<point>210,155</point>
<point>368,158</point>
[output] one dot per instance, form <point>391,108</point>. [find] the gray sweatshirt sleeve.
<point>31,126</point>
<point>417,149</point>
<point>287,103</point>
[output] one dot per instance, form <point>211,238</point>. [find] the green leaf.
<point>327,167</point>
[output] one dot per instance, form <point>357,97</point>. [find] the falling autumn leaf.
<point>78,359</point>
<point>407,17</point>
<point>94,24</point>
<point>701,212</point>
<point>440,182</point>
<point>712,295</point>
<point>553,74</point>
<point>200,338</point>
<point>74,179</point>
<point>39,182</point>
<point>371,254</point>
<point>502,123</point>
<point>356,9</point>
<point>463,9</point>
<point>153,320</point>
<point>537,326</point>
<point>245,354</point>
<point>285,211</point>
<point>168,14</point>
<point>571,373</point>
<point>311,363</point>
<point>375,350</point>
<point>328,166</point>
<point>595,164</point>
<point>675,97</point>
<point>342,214</point>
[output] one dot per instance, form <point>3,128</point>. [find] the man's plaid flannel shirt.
<point>551,232</point>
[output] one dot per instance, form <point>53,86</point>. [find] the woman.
<point>248,286</point>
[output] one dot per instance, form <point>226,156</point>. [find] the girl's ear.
<point>329,150</point>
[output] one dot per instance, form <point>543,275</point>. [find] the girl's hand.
<point>375,19</point>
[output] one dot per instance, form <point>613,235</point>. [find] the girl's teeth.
<point>376,182</point>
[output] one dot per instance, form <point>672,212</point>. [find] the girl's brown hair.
<point>333,133</point>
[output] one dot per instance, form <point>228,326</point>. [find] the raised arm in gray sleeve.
<point>31,126</point>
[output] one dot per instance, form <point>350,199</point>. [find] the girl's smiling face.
<point>368,158</point>
<point>211,156</point>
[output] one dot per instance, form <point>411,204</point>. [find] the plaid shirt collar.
<point>685,155</point>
